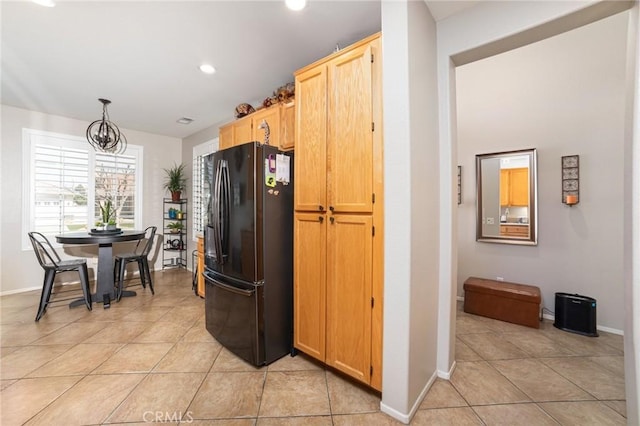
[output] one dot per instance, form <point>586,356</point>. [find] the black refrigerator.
<point>249,251</point>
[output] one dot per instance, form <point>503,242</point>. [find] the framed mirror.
<point>507,197</point>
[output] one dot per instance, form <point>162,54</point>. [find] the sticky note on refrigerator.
<point>283,168</point>
<point>269,176</point>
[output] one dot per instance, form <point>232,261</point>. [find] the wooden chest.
<point>505,301</point>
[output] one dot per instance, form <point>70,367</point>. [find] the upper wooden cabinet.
<point>338,232</point>
<point>279,118</point>
<point>235,133</point>
<point>310,189</point>
<point>288,128</point>
<point>272,117</point>
<point>334,140</point>
<point>350,135</point>
<point>514,187</point>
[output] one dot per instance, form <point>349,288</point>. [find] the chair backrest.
<point>46,254</point>
<point>149,234</point>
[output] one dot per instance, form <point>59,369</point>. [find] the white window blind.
<point>115,180</point>
<point>61,182</point>
<point>64,179</point>
<point>199,188</point>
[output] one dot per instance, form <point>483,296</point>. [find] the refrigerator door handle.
<point>225,208</point>
<point>215,223</point>
<point>236,290</point>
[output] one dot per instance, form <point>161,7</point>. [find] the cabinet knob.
<point>321,208</point>
<point>331,208</point>
<point>332,219</point>
<point>321,219</point>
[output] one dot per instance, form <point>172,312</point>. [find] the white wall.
<point>188,143</point>
<point>425,184</point>
<point>632,232</point>
<point>424,198</point>
<point>563,95</point>
<point>396,330</point>
<point>519,23</point>
<point>411,206</point>
<point>19,268</point>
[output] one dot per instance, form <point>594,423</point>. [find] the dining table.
<point>105,289</point>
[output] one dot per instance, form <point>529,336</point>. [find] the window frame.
<point>200,150</point>
<point>32,137</point>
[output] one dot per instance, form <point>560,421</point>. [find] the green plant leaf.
<point>175,178</point>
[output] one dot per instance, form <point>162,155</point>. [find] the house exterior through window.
<point>199,197</point>
<point>65,180</point>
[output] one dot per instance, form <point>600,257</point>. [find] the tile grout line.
<point>333,417</point>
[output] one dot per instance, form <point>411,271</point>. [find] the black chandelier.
<point>104,135</point>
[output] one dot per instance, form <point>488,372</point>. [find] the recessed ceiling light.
<point>185,120</point>
<point>207,69</point>
<point>47,3</point>
<point>296,4</point>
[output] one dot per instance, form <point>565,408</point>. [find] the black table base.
<point>96,299</point>
<point>105,290</point>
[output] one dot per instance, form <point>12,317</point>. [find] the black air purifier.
<point>576,313</point>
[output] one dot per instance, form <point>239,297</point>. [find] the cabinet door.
<point>200,277</point>
<point>514,231</point>
<point>504,187</point>
<point>288,117</point>
<point>349,256</point>
<point>350,137</point>
<point>310,189</point>
<point>272,117</point>
<point>242,132</point>
<point>225,136</point>
<point>519,186</point>
<point>309,284</point>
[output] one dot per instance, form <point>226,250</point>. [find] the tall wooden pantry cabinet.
<point>338,234</point>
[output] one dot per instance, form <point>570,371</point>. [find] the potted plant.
<point>176,181</point>
<point>175,227</point>
<point>107,215</point>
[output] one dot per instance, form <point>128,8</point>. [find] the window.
<point>200,196</point>
<point>65,179</point>
<point>115,179</point>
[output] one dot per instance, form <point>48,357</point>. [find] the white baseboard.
<point>552,317</point>
<point>549,317</point>
<point>402,418</point>
<point>406,418</point>
<point>20,290</point>
<point>610,330</point>
<point>76,282</point>
<point>447,374</point>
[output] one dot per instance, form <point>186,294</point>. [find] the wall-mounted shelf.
<point>571,179</point>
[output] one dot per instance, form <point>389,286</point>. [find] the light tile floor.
<point>150,358</point>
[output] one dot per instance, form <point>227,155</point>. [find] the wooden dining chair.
<point>140,255</point>
<point>52,264</point>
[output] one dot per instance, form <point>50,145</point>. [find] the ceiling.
<point>144,56</point>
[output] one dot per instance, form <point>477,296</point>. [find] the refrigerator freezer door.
<point>232,316</point>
